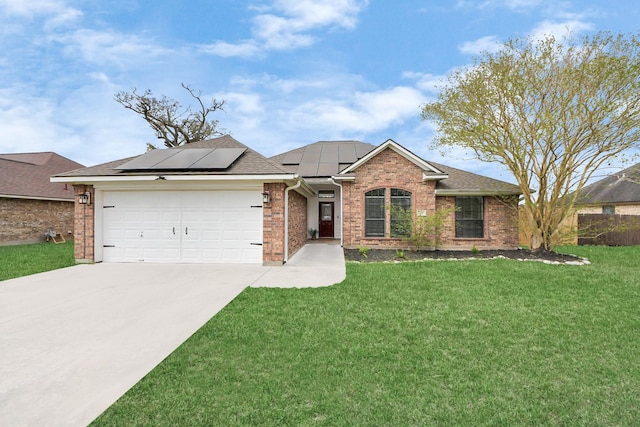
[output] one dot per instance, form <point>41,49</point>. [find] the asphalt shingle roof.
<point>27,175</point>
<point>320,159</point>
<point>249,163</point>
<point>460,180</point>
<point>621,187</point>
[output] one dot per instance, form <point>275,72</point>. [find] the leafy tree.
<point>420,232</point>
<point>551,111</point>
<point>171,123</point>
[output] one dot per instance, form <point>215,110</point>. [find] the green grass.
<point>23,260</point>
<point>495,342</point>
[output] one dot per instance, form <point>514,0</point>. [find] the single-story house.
<point>608,211</point>
<point>220,201</point>
<point>618,193</point>
<point>30,204</point>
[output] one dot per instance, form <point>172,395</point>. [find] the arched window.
<point>374,213</point>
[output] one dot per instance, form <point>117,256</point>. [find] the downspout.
<point>341,213</point>
<point>286,217</point>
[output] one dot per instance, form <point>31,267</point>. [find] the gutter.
<point>286,216</point>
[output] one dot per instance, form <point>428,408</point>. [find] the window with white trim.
<point>374,213</point>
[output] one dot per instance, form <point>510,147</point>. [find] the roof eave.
<point>52,199</point>
<point>463,192</point>
<point>169,177</point>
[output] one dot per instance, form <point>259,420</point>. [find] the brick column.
<point>84,224</point>
<point>273,225</point>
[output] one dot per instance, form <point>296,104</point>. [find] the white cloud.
<point>286,24</point>
<point>365,112</point>
<point>227,50</point>
<point>109,47</point>
<point>559,29</point>
<point>55,12</point>
<point>508,4</point>
<point>489,44</point>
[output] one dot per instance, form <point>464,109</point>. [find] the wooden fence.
<point>609,230</point>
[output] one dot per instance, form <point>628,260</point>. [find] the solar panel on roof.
<point>347,153</point>
<point>327,169</point>
<point>311,154</point>
<point>148,159</point>
<point>308,169</point>
<point>184,159</point>
<point>221,158</point>
<point>362,150</point>
<point>292,158</point>
<point>329,153</point>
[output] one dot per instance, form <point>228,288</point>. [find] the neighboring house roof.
<point>27,175</point>
<point>322,158</point>
<point>620,187</point>
<point>248,163</point>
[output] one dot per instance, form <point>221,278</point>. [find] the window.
<point>609,210</point>
<point>374,213</point>
<point>400,213</point>
<point>326,194</point>
<point>470,216</point>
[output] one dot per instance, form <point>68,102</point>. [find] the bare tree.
<point>551,111</point>
<point>171,123</point>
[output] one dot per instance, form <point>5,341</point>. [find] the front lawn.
<point>495,342</point>
<point>23,260</point>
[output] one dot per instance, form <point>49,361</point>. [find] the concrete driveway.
<point>72,341</point>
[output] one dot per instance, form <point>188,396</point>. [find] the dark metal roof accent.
<point>323,158</point>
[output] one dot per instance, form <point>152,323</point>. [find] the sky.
<point>291,72</point>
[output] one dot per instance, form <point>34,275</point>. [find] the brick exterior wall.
<point>297,222</point>
<point>391,170</point>
<point>500,225</point>
<point>386,170</point>
<point>84,226</point>
<point>273,225</point>
<point>27,220</point>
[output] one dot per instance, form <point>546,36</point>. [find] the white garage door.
<point>182,226</point>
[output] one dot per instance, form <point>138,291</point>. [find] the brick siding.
<point>84,226</point>
<point>27,220</point>
<point>391,170</point>
<point>500,225</point>
<point>273,225</point>
<point>297,222</point>
<point>386,170</point>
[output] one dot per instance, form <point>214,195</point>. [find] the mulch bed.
<point>390,255</point>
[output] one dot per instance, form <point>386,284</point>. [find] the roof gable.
<point>430,171</point>
<point>27,175</point>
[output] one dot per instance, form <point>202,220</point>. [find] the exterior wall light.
<point>266,198</point>
<point>84,199</point>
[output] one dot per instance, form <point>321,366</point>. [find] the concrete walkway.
<point>72,341</point>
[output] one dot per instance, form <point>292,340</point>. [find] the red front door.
<point>326,219</point>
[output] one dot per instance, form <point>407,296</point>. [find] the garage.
<point>182,226</point>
